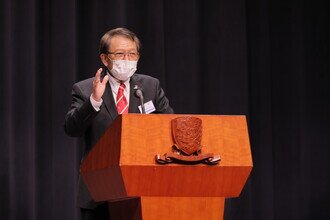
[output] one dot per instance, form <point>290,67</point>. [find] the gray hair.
<point>106,38</point>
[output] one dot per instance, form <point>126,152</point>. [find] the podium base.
<point>161,208</point>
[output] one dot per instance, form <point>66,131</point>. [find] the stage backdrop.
<point>266,59</point>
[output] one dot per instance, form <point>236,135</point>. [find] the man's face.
<point>121,48</point>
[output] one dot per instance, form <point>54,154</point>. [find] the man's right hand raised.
<point>98,86</point>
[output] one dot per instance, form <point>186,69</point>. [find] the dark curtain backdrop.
<point>265,59</point>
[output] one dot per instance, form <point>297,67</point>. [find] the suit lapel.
<point>134,101</point>
<point>109,101</point>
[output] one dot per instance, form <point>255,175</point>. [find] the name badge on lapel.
<point>148,106</point>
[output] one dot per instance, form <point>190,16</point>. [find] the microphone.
<point>139,94</point>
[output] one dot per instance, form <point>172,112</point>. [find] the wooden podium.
<point>121,168</point>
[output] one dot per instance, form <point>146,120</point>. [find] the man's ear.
<point>104,59</point>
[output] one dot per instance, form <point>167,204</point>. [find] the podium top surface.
<point>135,139</point>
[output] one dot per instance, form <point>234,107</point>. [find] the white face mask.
<point>123,69</point>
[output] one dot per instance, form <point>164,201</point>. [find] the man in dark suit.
<point>97,101</point>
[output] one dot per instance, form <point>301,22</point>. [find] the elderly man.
<point>97,101</point>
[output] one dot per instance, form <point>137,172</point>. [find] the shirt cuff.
<point>96,105</point>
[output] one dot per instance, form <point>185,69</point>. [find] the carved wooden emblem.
<point>187,148</point>
<point>187,134</point>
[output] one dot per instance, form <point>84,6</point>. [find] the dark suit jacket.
<point>83,121</point>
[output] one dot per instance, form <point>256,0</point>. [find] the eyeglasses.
<point>121,55</point>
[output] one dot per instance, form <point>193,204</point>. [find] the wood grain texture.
<point>133,140</point>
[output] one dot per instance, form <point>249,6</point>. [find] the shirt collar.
<point>115,83</point>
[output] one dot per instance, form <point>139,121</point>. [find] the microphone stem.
<point>142,105</point>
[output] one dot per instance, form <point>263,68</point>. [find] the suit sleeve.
<point>80,114</point>
<point>162,103</point>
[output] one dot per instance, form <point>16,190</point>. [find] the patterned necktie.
<point>121,102</point>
